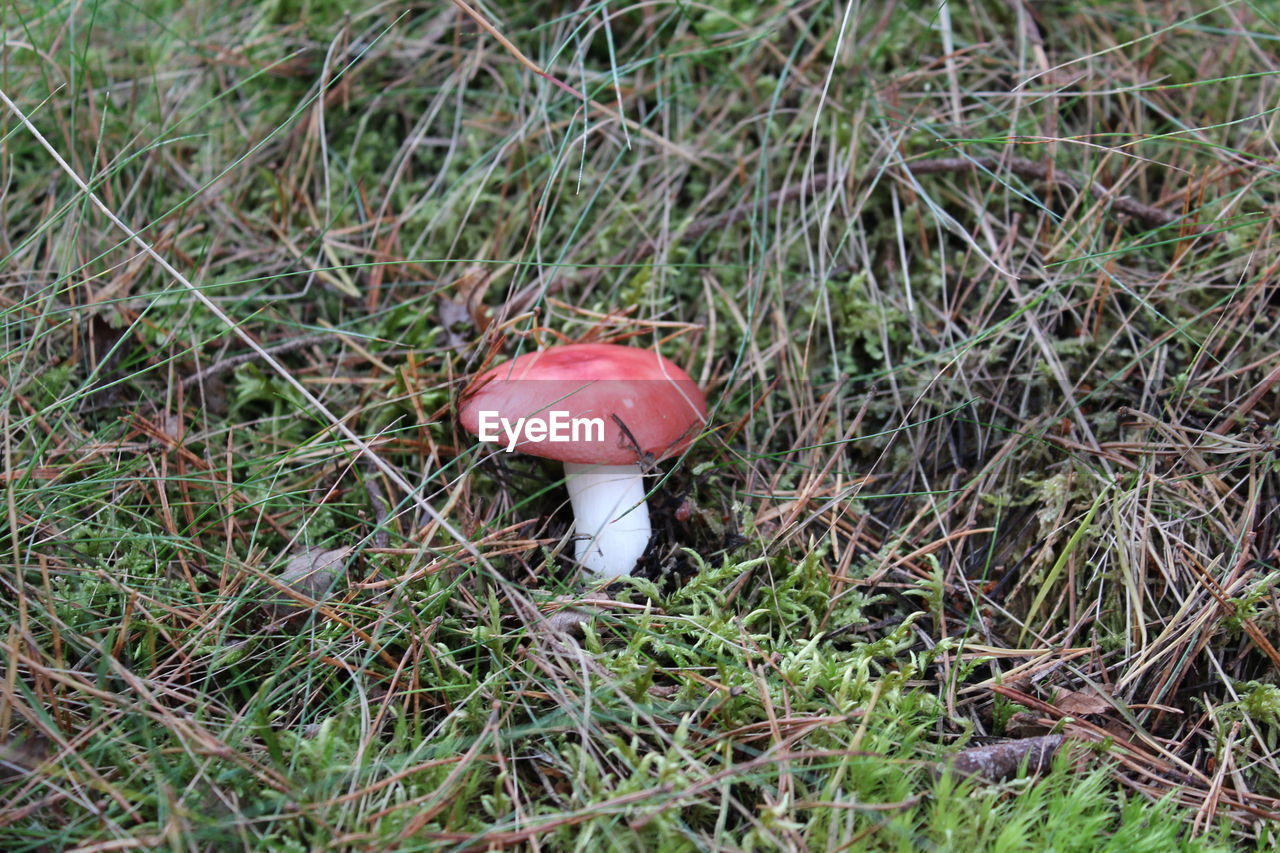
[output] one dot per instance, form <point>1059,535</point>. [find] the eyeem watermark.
<point>555,427</point>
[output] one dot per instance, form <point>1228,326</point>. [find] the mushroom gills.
<point>610,517</point>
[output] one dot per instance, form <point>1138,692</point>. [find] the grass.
<point>984,297</point>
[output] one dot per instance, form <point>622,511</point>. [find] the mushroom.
<point>606,411</point>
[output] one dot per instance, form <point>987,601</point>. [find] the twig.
<point>483,23</point>
<point>232,362</point>
<point>773,199</point>
<point>1147,214</point>
<point>729,217</point>
<point>999,761</point>
<point>381,508</point>
<point>1151,216</point>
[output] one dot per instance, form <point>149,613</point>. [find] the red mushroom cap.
<point>660,406</point>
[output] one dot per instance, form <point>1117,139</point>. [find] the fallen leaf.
<point>569,619</point>
<point>1024,725</point>
<point>22,753</point>
<point>1079,704</point>
<point>313,573</point>
<point>454,318</point>
<point>998,761</point>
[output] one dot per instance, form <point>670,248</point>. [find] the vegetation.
<point>985,299</point>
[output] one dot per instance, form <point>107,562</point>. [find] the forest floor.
<point>978,551</point>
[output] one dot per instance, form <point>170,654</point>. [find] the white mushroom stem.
<point>610,518</point>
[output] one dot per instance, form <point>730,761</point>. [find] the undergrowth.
<point>984,299</point>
